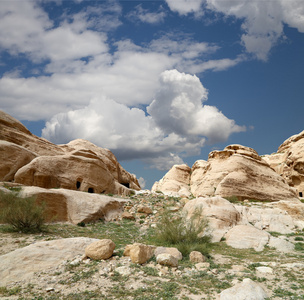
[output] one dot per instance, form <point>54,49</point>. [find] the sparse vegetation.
<point>187,234</point>
<point>22,214</point>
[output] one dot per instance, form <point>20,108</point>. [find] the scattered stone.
<point>126,215</point>
<point>145,209</point>
<point>167,259</point>
<point>203,266</point>
<point>102,249</point>
<point>123,270</point>
<point>197,257</point>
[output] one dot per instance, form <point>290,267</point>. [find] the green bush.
<point>186,234</point>
<point>22,214</point>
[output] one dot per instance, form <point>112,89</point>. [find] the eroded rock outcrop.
<point>236,171</point>
<point>73,206</point>
<point>78,165</point>
<point>239,171</point>
<point>289,162</point>
<point>176,182</point>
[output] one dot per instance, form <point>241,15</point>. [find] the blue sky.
<point>157,82</point>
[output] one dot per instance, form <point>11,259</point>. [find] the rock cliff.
<point>289,162</point>
<point>235,171</point>
<point>78,165</point>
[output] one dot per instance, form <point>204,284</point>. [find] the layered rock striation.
<point>289,162</point>
<point>236,171</point>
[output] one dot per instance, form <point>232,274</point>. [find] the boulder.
<point>75,207</point>
<point>247,236</point>
<point>220,213</point>
<point>102,249</point>
<point>167,259</point>
<point>169,250</point>
<point>139,253</point>
<point>144,209</point>
<point>239,171</point>
<point>13,157</point>
<point>128,216</point>
<point>281,244</point>
<point>22,263</point>
<point>246,290</point>
<point>175,182</point>
<point>197,257</point>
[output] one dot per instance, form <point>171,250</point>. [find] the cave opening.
<point>78,183</point>
<point>301,194</point>
<point>90,190</point>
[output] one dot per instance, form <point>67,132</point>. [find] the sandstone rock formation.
<point>220,213</point>
<point>247,236</point>
<point>73,206</point>
<point>289,162</point>
<point>13,157</point>
<point>175,182</point>
<point>247,289</point>
<point>22,263</point>
<point>236,171</point>
<point>239,171</point>
<point>78,165</point>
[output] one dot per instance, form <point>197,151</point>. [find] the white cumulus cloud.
<point>177,123</point>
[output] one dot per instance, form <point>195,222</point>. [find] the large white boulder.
<point>22,263</point>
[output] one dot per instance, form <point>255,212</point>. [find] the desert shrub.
<point>186,234</point>
<point>22,214</point>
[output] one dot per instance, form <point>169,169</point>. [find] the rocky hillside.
<point>78,165</point>
<point>238,171</point>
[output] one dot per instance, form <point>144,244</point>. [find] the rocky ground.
<point>279,274</point>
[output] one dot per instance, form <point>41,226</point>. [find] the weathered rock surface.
<point>15,132</point>
<point>239,171</point>
<point>289,161</point>
<point>247,236</point>
<point>175,182</point>
<point>246,290</point>
<point>220,213</point>
<point>22,263</point>
<point>236,171</point>
<point>266,218</point>
<point>102,249</point>
<point>13,157</point>
<point>75,207</point>
<point>78,165</point>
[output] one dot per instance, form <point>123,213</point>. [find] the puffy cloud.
<point>144,15</point>
<point>177,123</point>
<point>184,7</point>
<point>27,29</point>
<point>263,21</point>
